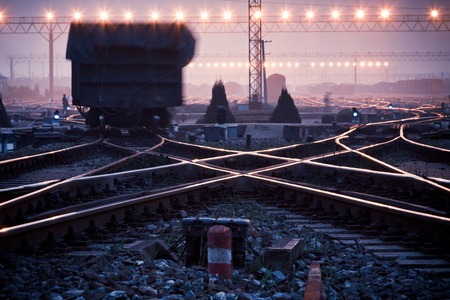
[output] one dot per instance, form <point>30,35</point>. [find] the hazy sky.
<point>225,43</point>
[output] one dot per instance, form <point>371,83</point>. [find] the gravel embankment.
<point>347,272</point>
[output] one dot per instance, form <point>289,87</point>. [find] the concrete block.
<point>150,249</point>
<point>281,255</point>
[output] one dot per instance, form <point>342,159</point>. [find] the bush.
<point>327,119</point>
<point>4,119</point>
<point>219,98</point>
<point>285,111</point>
<point>344,116</point>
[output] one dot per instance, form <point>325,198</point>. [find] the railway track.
<point>339,191</point>
<point>26,174</point>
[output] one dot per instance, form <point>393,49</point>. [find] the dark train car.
<point>129,73</point>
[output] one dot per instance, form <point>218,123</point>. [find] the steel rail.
<point>97,183</point>
<point>36,231</point>
<point>327,197</point>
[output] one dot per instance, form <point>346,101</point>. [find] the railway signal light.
<point>355,117</point>
<point>56,118</point>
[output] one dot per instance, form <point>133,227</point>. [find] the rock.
<point>73,293</point>
<point>220,296</point>
<point>116,295</point>
<point>281,296</point>
<point>278,276</point>
<point>190,295</point>
<point>147,291</point>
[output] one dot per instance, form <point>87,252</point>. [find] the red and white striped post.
<point>219,251</point>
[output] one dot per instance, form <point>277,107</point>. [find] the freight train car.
<point>128,74</point>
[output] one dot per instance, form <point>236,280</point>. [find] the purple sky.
<point>226,43</point>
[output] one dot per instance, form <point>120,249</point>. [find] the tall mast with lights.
<point>254,54</point>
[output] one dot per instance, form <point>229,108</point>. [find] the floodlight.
<point>360,14</point>
<point>104,15</point>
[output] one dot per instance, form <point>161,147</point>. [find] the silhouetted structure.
<point>285,112</point>
<point>275,84</point>
<point>219,98</point>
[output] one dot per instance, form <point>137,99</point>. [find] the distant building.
<point>275,83</point>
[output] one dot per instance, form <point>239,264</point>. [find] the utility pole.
<point>50,60</point>
<point>263,51</point>
<point>356,64</point>
<point>11,69</point>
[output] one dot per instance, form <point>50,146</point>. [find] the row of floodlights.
<point>227,15</point>
<point>289,65</point>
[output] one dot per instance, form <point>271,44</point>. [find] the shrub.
<point>285,111</point>
<point>344,116</point>
<point>219,98</point>
<point>327,119</point>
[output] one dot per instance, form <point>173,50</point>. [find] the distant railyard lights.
<point>334,15</point>
<point>104,15</point>
<point>385,13</point>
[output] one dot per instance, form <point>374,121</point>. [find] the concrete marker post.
<point>219,251</point>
